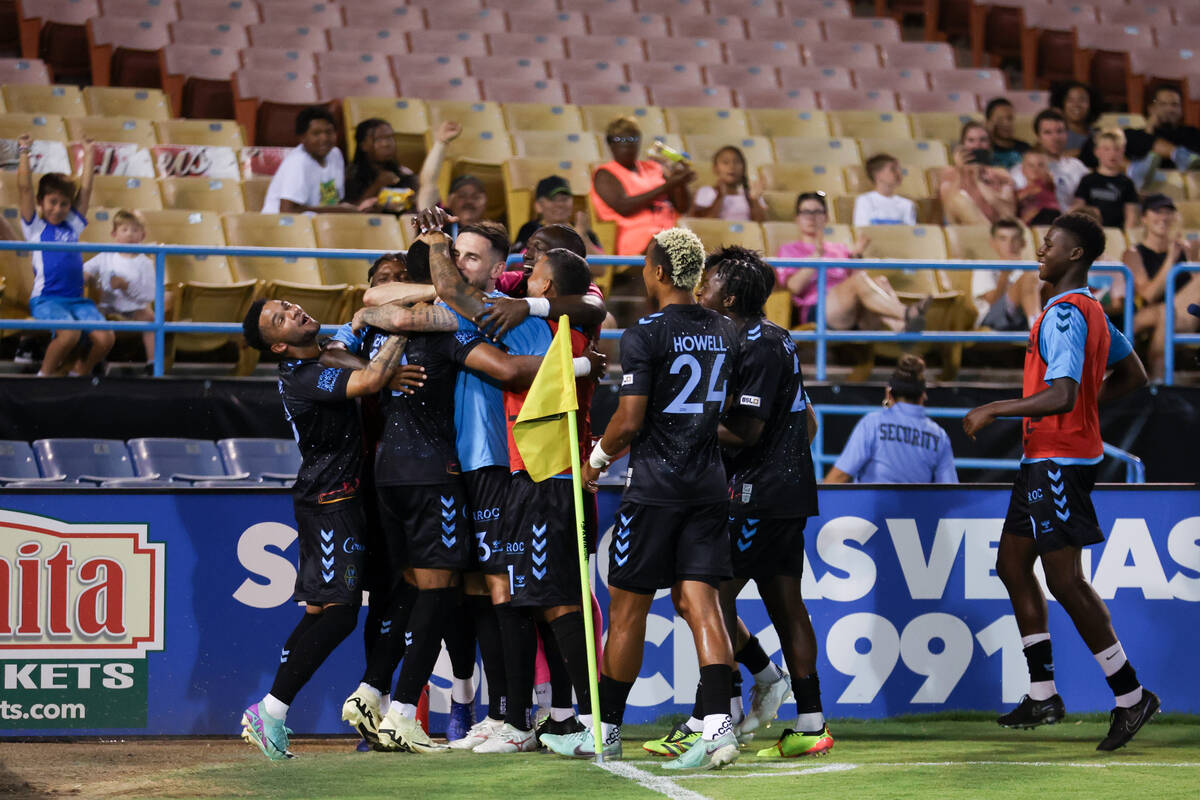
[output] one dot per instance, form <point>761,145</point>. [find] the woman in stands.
<point>1150,261</point>
<point>733,197</point>
<point>374,167</point>
<point>1078,104</point>
<point>899,444</point>
<point>972,192</point>
<point>642,197</point>
<point>853,299</point>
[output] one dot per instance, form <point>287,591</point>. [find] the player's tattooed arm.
<point>625,423</point>
<point>408,377</point>
<point>399,292</point>
<point>501,314</point>
<point>451,287</point>
<point>1128,375</point>
<point>395,317</point>
<point>380,371</point>
<point>1057,398</point>
<point>515,373</point>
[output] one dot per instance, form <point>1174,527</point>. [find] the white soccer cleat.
<point>361,710</point>
<point>764,704</point>
<point>398,732</point>
<point>479,733</point>
<point>509,739</point>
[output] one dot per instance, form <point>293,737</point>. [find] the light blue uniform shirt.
<point>898,445</point>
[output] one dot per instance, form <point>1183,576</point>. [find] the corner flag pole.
<point>584,573</point>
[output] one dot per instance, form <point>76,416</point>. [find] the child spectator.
<point>1107,188</point>
<point>733,197</point>
<point>1037,202</point>
<point>311,178</point>
<point>1006,300</point>
<point>555,205</point>
<point>57,214</point>
<point>125,281</point>
<point>883,206</point>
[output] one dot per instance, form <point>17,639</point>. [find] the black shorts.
<point>655,547</point>
<point>1052,504</point>
<point>386,557</point>
<point>763,548</point>
<point>540,544</point>
<point>432,523</point>
<point>487,490</point>
<point>332,553</point>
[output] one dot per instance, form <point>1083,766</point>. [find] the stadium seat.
<point>334,85</point>
<point>747,8</point>
<point>140,9</point>
<point>973,243</point>
<point>640,25</point>
<point>521,175</point>
<point>388,14</point>
<point>112,129</point>
<point>459,43</point>
<point>721,28</point>
<point>202,194</point>
<point>377,39</point>
<point>289,12</point>
<point>831,152</point>
<point>917,55</point>
<point>483,20</point>
<point>715,233</point>
<point>779,233</point>
<point>603,94</point>
<point>614,49</point>
<point>893,79</point>
<point>455,89</point>
<point>840,54</point>
<point>542,117</point>
<point>650,119</point>
<point>23,70</point>
<point>277,59</point>
<point>876,30</point>
<point>667,7</point>
<point>54,31</point>
<point>111,101</point>
<point>472,115</point>
<point>710,96</point>
<point>938,102</point>
<point>1180,37</point>
<point>226,35</point>
<point>1048,42</point>
<point>801,30</point>
<point>429,67</point>
<point>124,51</point>
<point>353,232</point>
<point>786,122</point>
<point>783,99</point>
<point>200,132</point>
<point>917,242</point>
<point>599,6</point>
<point>870,124</point>
<point>18,467</point>
<point>764,53</point>
<point>509,67</point>
<point>266,104</point>
<point>987,82</point>
<point>781,205</point>
<point>560,145</point>
<point>190,227</point>
<point>409,120</point>
<point>263,459</point>
<point>503,90</point>
<point>914,184</point>
<point>714,121</point>
<point>817,9</point>
<point>741,76</point>
<point>914,153</point>
<point>65,101</point>
<point>1160,17</point>
<point>196,79</point>
<point>254,229</point>
<point>796,178</point>
<point>530,45</point>
<point>547,7</point>
<point>1103,57</point>
<point>42,127</point>
<point>857,101</point>
<point>563,23</point>
<point>227,11</point>
<point>1120,119</point>
<point>669,51</point>
<point>944,126</point>
<point>93,461</point>
<point>217,301</point>
<point>816,78</point>
<point>184,460</point>
<point>570,71</point>
<point>287,36</point>
<point>118,191</point>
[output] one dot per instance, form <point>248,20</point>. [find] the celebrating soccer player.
<point>1050,515</point>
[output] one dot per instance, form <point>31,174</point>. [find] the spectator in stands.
<point>1006,148</point>
<point>555,205</point>
<point>733,197</point>
<point>468,200</point>
<point>881,205</point>
<point>852,297</point>
<point>899,444</point>
<point>1006,300</point>
<point>374,168</point>
<point>431,168</point>
<point>1150,261</point>
<point>311,178</point>
<point>1067,171</point>
<point>1107,188</point>
<point>642,197</point>
<point>1037,203</point>
<point>125,281</point>
<point>59,214</point>
<point>972,191</point>
<point>1080,107</point>
<point>1165,143</point>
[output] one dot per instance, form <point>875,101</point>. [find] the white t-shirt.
<point>1067,173</point>
<point>735,207</point>
<point>873,208</point>
<point>302,180</point>
<point>136,270</point>
<point>984,281</point>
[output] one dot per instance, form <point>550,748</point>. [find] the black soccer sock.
<point>613,696</point>
<point>460,641</point>
<point>423,639</point>
<point>698,705</point>
<point>572,643</point>
<point>311,648</point>
<point>520,655</point>
<point>302,627</point>
<point>1040,660</point>
<point>752,656</point>
<point>715,683</point>
<point>388,649</point>
<point>807,691</point>
<point>491,648</point>
<point>561,678</point>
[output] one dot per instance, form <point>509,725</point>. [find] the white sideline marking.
<point>655,783</point>
<point>776,773</point>
<point>781,770</point>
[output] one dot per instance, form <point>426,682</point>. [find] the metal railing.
<point>1174,338</point>
<point>822,336</point>
<point>1135,470</point>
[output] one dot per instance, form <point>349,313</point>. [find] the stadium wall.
<point>161,612</point>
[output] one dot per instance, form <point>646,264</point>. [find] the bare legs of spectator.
<point>866,302</point>
<point>1154,318</point>
<point>60,347</point>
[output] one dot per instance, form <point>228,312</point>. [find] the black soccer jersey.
<point>774,478</point>
<point>681,359</point>
<point>417,447</point>
<point>327,429</point>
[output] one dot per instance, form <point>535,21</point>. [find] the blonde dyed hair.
<point>684,255</point>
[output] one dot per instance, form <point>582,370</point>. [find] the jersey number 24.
<point>682,404</point>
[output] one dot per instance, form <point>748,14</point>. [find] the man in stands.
<point>1051,130</point>
<point>555,205</point>
<point>311,178</point>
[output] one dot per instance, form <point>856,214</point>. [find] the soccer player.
<point>671,524</point>
<point>1050,515</point>
<point>319,403</point>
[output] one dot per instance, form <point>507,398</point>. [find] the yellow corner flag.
<point>542,430</point>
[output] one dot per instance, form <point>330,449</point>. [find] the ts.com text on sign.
<point>80,607</point>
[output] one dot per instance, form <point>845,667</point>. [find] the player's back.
<point>680,359</point>
<point>327,430</point>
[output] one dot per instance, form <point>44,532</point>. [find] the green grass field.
<point>921,757</point>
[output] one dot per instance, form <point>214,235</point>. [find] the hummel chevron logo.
<point>408,638</point>
<point>621,559</point>
<point>447,502</point>
<point>1057,488</point>
<point>1054,476</point>
<point>449,541</point>
<point>622,546</point>
<point>327,563</point>
<point>1063,515</point>
<point>538,573</point>
<point>327,549</point>
<point>754,333</point>
<point>385,627</point>
<point>744,545</point>
<point>447,513</point>
<point>538,532</point>
<point>449,527</point>
<point>1061,502</point>
<point>327,576</point>
<point>539,558</point>
<point>326,535</point>
<point>283,656</point>
<point>625,520</point>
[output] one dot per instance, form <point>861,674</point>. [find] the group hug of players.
<point>422,497</point>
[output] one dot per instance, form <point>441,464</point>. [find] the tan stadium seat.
<point>781,205</point>
<point>914,153</point>
<point>715,233</point>
<point>650,119</point>
<point>473,115</point>
<point>254,192</point>
<point>871,124</point>
<point>46,127</point>
<point>16,269</point>
<point>201,132</point>
<point>973,243</point>
<point>196,78</point>
<point>521,176</point>
<point>118,191</point>
<point>409,119</point>
<point>64,101</point>
<point>945,126</point>
<point>914,183</point>
<point>199,228</point>
<point>112,129</point>
<point>8,193</point>
<point>775,122</point>
<point>220,195</point>
<point>796,178</point>
<point>922,242</point>
<point>1189,213</point>
<point>480,153</point>
<point>583,148</point>
<point>1169,182</point>
<point>727,122</point>
<point>542,117</point>
<point>116,101</point>
<point>830,151</point>
<point>354,232</point>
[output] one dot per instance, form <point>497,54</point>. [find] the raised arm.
<point>397,292</point>
<point>86,177</point>
<point>447,280</point>
<point>26,199</point>
<point>431,167</point>
<point>613,194</point>
<point>395,317</point>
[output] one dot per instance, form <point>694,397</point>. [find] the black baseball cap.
<point>552,187</point>
<point>1154,202</point>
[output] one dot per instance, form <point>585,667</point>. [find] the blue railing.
<point>822,336</point>
<point>1174,338</point>
<point>1135,470</point>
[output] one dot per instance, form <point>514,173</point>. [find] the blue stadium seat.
<point>18,467</point>
<point>87,461</point>
<point>263,459</point>
<point>185,460</point>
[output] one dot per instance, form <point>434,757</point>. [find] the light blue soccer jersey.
<point>898,445</point>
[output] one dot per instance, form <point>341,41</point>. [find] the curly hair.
<point>747,278</point>
<point>680,251</point>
